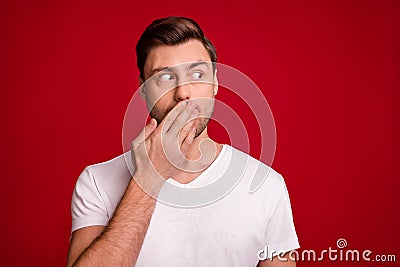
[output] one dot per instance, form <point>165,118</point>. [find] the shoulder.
<point>115,168</point>
<point>107,181</point>
<point>256,175</point>
<point>112,175</point>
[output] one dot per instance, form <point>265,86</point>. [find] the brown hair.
<point>170,31</point>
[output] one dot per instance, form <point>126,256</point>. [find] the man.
<point>118,218</point>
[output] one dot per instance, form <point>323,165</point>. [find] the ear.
<point>142,87</point>
<point>215,83</point>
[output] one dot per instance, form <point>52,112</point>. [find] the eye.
<point>166,77</point>
<point>197,75</point>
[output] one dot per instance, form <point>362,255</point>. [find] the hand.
<point>158,150</point>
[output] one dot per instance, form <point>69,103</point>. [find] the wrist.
<point>147,185</point>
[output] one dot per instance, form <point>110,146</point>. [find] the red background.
<point>329,69</point>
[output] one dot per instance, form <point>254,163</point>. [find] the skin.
<point>184,137</point>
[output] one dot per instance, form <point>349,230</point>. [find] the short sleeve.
<point>87,206</point>
<point>280,235</point>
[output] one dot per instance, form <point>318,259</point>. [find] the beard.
<point>201,121</point>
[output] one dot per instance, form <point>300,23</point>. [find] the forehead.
<point>168,56</point>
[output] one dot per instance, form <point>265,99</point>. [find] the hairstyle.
<point>170,31</point>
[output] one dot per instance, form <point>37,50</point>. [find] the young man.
<point>116,217</point>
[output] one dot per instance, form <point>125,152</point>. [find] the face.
<point>180,73</point>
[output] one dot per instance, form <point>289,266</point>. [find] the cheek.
<point>203,90</point>
<point>152,99</point>
<point>157,100</point>
<point>164,103</point>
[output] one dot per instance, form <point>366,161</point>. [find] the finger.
<point>171,116</point>
<point>188,113</point>
<point>188,140</point>
<point>147,130</point>
<point>185,131</point>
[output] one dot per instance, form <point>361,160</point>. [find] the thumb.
<point>146,132</point>
<point>149,128</point>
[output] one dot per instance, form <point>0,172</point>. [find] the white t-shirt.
<point>253,215</point>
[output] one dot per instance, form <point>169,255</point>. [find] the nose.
<point>182,92</point>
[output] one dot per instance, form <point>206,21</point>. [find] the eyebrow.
<point>195,64</point>
<point>155,70</point>
<point>191,66</point>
